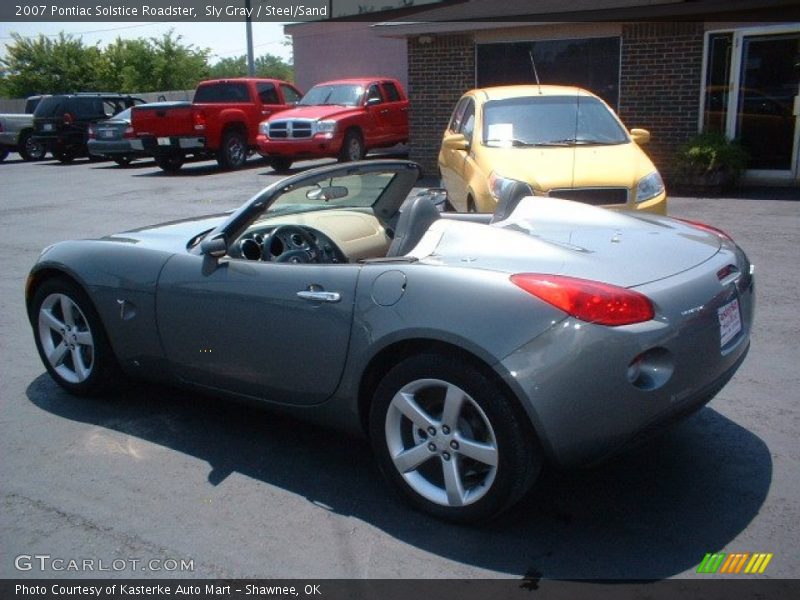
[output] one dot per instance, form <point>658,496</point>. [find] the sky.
<point>224,39</point>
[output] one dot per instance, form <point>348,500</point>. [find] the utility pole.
<point>251,65</point>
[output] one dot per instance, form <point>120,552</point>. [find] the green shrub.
<point>710,154</point>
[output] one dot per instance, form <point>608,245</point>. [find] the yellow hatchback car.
<point>560,141</point>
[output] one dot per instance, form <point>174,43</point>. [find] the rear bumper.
<point>55,142</point>
<point>163,146</point>
<point>576,383</point>
<point>113,148</point>
<point>317,146</point>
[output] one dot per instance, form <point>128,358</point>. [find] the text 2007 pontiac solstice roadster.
<point>469,347</point>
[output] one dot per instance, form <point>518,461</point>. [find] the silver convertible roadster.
<point>471,348</point>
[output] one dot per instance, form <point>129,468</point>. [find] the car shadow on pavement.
<point>194,168</point>
<point>648,514</point>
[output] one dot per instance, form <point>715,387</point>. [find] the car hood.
<point>560,237</point>
<point>552,167</point>
<point>314,112</point>
<point>173,236</point>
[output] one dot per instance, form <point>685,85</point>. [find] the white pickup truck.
<point>16,131</point>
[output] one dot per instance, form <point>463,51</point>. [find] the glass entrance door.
<point>766,115</point>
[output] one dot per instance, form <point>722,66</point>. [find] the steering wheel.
<point>293,252</point>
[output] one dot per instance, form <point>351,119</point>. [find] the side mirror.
<point>455,141</point>
<point>373,101</point>
<point>216,246</point>
<point>640,136</point>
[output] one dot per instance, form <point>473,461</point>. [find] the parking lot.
<point>161,474</point>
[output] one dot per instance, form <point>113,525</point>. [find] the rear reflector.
<point>586,300</point>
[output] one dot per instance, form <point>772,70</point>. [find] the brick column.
<point>440,70</point>
<point>660,85</point>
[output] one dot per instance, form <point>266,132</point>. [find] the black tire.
<point>352,147</point>
<point>29,149</point>
<point>171,163</point>
<point>99,359</point>
<point>471,208</point>
<point>3,154</point>
<point>64,156</point>
<point>123,161</point>
<point>280,164</point>
<point>233,153</point>
<point>488,489</point>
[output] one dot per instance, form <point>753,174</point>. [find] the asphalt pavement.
<point>164,477</point>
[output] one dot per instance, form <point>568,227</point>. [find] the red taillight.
<point>586,300</point>
<point>709,228</point>
<point>129,133</point>
<point>90,132</point>
<point>68,118</point>
<point>199,120</point>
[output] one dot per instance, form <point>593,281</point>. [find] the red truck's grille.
<point>290,129</point>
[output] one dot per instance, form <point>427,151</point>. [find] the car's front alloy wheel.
<point>70,338</point>
<point>450,440</point>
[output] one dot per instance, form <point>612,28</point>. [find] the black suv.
<point>61,122</point>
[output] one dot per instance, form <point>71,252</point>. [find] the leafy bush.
<point>710,154</point>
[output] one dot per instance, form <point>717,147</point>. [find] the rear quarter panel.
<point>479,311</point>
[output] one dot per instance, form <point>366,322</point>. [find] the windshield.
<point>346,191</point>
<point>346,94</point>
<point>550,121</point>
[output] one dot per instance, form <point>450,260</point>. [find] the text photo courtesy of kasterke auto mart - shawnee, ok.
<point>349,299</point>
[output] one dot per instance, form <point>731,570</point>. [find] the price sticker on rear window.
<point>730,321</point>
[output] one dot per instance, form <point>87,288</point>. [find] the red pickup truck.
<point>343,119</point>
<point>221,122</point>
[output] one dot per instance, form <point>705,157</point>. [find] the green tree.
<point>44,65</point>
<point>267,65</point>
<point>51,66</point>
<point>175,65</point>
<point>127,65</point>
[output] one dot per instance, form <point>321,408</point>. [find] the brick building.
<point>732,67</point>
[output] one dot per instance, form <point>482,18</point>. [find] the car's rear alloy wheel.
<point>450,440</point>
<point>29,149</point>
<point>233,153</point>
<point>70,338</point>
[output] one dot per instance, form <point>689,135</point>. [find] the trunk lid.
<point>559,237</point>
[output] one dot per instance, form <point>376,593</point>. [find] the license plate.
<point>48,127</point>
<point>108,133</point>
<point>730,321</point>
<point>164,141</point>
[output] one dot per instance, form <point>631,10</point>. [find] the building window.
<point>591,63</point>
<point>718,73</point>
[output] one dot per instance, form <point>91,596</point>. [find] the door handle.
<point>384,111</point>
<point>319,296</point>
